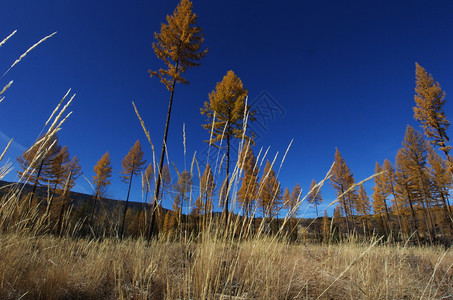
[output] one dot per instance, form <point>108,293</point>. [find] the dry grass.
<point>46,267</point>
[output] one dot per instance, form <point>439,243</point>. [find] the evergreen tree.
<point>132,164</point>
<point>178,45</point>
<point>225,113</point>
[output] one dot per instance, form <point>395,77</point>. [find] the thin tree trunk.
<point>153,227</point>
<point>127,202</point>
<point>35,184</point>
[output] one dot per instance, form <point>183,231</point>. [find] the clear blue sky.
<point>340,74</point>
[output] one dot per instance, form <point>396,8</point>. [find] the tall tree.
<point>73,170</point>
<point>249,182</point>
<point>389,181</point>
<point>36,162</point>
<point>415,150</point>
<point>314,195</point>
<point>207,190</point>
<point>379,196</point>
<point>363,207</point>
<point>342,181</point>
<point>269,192</point>
<point>182,189</point>
<point>225,113</point>
<point>429,110</point>
<point>178,45</point>
<point>133,163</point>
<point>103,171</point>
<point>441,182</point>
<point>147,180</point>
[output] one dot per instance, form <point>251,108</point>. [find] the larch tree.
<point>294,204</point>
<point>182,189</point>
<point>389,181</point>
<point>246,195</point>
<point>101,179</point>
<point>178,46</point>
<point>36,162</point>
<point>132,164</point>
<point>73,171</point>
<point>363,207</point>
<point>314,195</point>
<point>225,113</point>
<point>342,180</point>
<point>405,189</point>
<point>441,181</point>
<point>379,196</point>
<point>147,179</point>
<point>207,191</point>
<point>415,149</point>
<point>429,110</point>
<point>269,192</point>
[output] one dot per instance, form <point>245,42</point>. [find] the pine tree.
<point>178,45</point>
<point>429,111</point>
<point>249,182</point>
<point>314,195</point>
<point>101,180</point>
<point>132,164</point>
<point>342,180</point>
<point>225,113</point>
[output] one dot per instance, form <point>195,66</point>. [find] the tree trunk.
<point>152,226</point>
<point>125,207</point>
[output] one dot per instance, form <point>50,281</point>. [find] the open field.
<point>44,267</point>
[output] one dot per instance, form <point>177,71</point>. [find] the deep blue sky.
<point>341,73</point>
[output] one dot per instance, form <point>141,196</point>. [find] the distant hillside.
<point>77,198</point>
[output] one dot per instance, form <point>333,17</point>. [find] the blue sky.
<point>338,74</point>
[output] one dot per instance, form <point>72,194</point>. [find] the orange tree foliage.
<point>269,192</point>
<point>178,46</point>
<point>430,100</point>
<point>249,182</point>
<point>314,195</point>
<point>225,113</point>
<point>342,180</point>
<point>133,163</point>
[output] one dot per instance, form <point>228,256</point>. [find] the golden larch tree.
<point>429,110</point>
<point>342,181</point>
<point>73,170</point>
<point>132,164</point>
<point>314,195</point>
<point>36,162</point>
<point>204,203</point>
<point>178,46</point>
<point>147,179</point>
<point>363,207</point>
<point>225,114</point>
<point>269,192</point>
<point>101,180</point>
<point>246,195</point>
